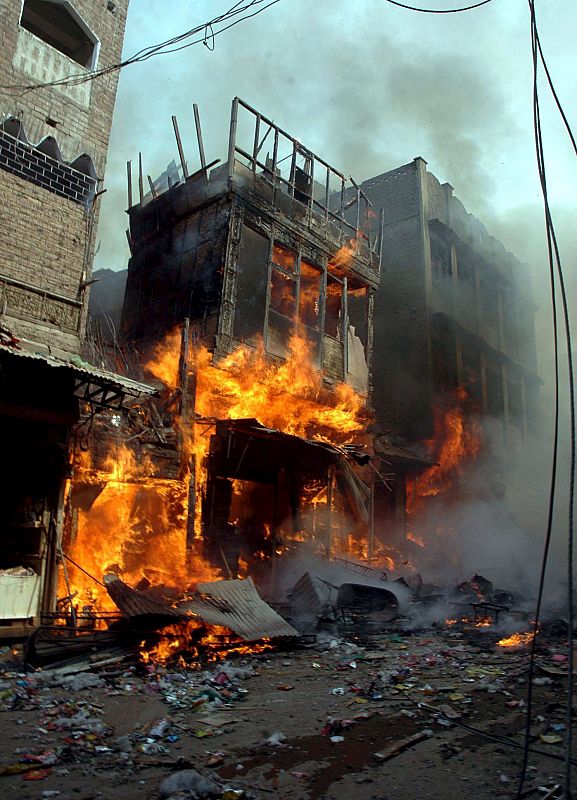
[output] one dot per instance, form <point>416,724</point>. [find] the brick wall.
<point>47,214</point>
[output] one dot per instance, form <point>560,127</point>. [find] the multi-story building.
<point>248,254</point>
<point>53,146</point>
<point>454,309</point>
<point>53,143</point>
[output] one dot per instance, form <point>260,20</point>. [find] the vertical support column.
<point>232,137</point>
<point>329,515</point>
<point>255,142</point>
<point>180,148</point>
<point>140,179</point>
<point>268,281</point>
<point>381,234</point>
<point>371,540</point>
<point>293,171</point>
<point>274,160</point>
<point>199,136</point>
<point>345,328</point>
<point>370,338</point>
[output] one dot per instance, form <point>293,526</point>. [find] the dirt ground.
<point>335,706</point>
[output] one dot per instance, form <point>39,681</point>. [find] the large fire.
<point>136,526</point>
<point>287,395</point>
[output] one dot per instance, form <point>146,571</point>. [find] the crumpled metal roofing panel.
<point>85,371</point>
<point>237,605</point>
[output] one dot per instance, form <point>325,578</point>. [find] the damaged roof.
<point>86,375</point>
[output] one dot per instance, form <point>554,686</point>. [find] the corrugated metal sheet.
<point>133,603</point>
<point>84,370</point>
<point>237,605</point>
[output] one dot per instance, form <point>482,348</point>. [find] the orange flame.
<point>288,396</point>
<point>137,525</point>
<point>456,443</point>
<point>517,640</point>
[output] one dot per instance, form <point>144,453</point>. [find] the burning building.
<point>458,373</point>
<point>53,143</point>
<point>249,299</point>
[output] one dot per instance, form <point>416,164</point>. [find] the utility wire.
<point>209,30</point>
<point>554,93</point>
<point>439,10</point>
<point>554,266</point>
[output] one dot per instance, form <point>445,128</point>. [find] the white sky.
<point>367,86</point>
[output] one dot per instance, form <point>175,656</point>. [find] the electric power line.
<point>439,10</point>
<point>554,267</point>
<point>209,29</point>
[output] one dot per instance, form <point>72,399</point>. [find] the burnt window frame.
<point>80,22</point>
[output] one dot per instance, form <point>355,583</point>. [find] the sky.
<point>367,86</point>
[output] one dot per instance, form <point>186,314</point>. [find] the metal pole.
<point>255,142</point>
<point>129,181</point>
<point>151,184</point>
<point>199,135</point>
<point>140,181</point>
<point>179,145</point>
<point>232,137</point>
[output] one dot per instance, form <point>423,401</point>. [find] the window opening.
<point>56,23</point>
<point>310,295</point>
<point>333,308</point>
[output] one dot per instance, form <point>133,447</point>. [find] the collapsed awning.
<point>244,449</point>
<point>97,386</point>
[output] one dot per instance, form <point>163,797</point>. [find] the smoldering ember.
<point>268,520</point>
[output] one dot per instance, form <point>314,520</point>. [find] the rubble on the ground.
<point>436,690</point>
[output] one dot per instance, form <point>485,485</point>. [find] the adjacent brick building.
<point>53,145</point>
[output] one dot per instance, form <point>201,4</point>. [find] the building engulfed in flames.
<point>249,302</point>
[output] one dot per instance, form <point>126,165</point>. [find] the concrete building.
<point>454,308</point>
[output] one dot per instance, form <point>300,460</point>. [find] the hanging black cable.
<point>554,93</point>
<point>554,266</point>
<point>162,48</point>
<point>439,10</point>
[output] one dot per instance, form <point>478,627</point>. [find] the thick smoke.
<point>365,87</point>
